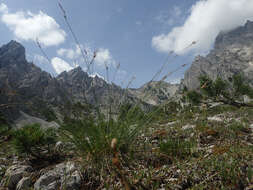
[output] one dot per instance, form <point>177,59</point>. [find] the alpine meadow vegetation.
<point>198,139</point>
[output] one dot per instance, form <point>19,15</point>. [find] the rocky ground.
<point>193,148</point>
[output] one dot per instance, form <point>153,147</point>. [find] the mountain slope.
<point>24,86</point>
<point>232,54</point>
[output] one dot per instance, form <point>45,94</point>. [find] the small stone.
<point>215,104</point>
<point>210,149</point>
<point>188,126</point>
<point>209,137</point>
<point>246,99</point>
<point>251,126</point>
<point>172,179</point>
<point>59,147</point>
<point>215,118</point>
<point>171,123</point>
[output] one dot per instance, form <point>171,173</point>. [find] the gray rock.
<point>63,176</point>
<point>14,174</point>
<point>232,54</point>
<point>50,180</point>
<point>247,99</point>
<point>59,147</point>
<point>215,118</point>
<point>188,126</point>
<point>26,119</point>
<point>24,184</point>
<point>251,126</point>
<point>171,123</point>
<point>73,181</point>
<point>215,104</point>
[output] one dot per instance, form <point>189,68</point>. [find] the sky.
<point>132,39</point>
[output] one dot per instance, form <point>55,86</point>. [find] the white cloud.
<point>175,81</point>
<point>29,26</point>
<point>207,18</point>
<point>43,63</point>
<point>70,53</point>
<point>104,56</point>
<point>60,65</point>
<point>40,59</point>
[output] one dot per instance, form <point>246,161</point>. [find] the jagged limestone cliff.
<point>232,54</point>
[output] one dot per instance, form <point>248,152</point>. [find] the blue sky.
<point>137,34</point>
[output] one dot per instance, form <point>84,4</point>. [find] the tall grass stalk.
<point>84,53</point>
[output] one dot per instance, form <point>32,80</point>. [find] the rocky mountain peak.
<point>237,37</point>
<point>232,54</point>
<point>12,52</point>
<point>74,74</point>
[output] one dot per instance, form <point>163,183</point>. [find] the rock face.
<point>25,87</point>
<point>232,54</point>
<point>88,89</point>
<point>28,94</point>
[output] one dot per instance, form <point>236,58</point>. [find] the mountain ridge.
<point>26,88</point>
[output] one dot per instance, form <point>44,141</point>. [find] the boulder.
<point>63,176</point>
<point>14,174</point>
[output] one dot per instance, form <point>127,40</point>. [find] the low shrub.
<point>194,97</point>
<point>34,141</point>
<point>92,138</point>
<point>4,130</point>
<point>241,87</point>
<point>130,113</point>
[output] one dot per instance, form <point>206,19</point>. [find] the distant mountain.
<point>92,89</point>
<point>27,90</point>
<point>232,54</point>
<point>155,92</point>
